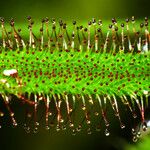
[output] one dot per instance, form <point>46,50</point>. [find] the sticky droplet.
<point>133,131</point>
<point>79,128</point>
<point>122,126</point>
<point>50,113</point>
<point>144,126</point>
<point>138,134</point>
<point>35,130</point>
<point>73,132</point>
<point>61,120</point>
<point>83,108</point>
<point>88,121</point>
<point>15,124</point>
<point>58,128</point>
<point>37,124</point>
<point>11,114</point>
<point>71,125</point>
<point>96,113</point>
<point>134,115</point>
<point>64,127</point>
<point>47,127</point>
<point>1,114</point>
<point>107,133</point>
<point>27,129</point>
<point>89,131</point>
<point>134,139</point>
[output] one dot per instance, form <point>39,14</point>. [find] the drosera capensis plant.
<point>75,71</point>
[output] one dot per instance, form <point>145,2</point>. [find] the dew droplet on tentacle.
<point>68,111</point>
<point>27,129</point>
<point>47,127</point>
<point>114,104</point>
<point>64,127</point>
<point>107,133</point>
<point>58,128</point>
<point>144,126</point>
<point>134,139</point>
<point>89,131</point>
<point>1,114</point>
<point>35,130</point>
<point>140,104</point>
<point>47,103</point>
<point>59,116</point>
<point>35,111</point>
<point>91,99</point>
<point>125,100</point>
<point>133,131</point>
<point>103,112</point>
<point>73,132</point>
<point>79,128</point>
<point>7,104</point>
<point>138,134</point>
<point>96,113</point>
<point>87,117</point>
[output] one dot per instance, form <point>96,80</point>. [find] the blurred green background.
<point>74,9</point>
<point>17,139</point>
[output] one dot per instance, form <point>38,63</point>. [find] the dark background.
<point>18,139</point>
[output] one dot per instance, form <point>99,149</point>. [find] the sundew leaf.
<point>65,67</point>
